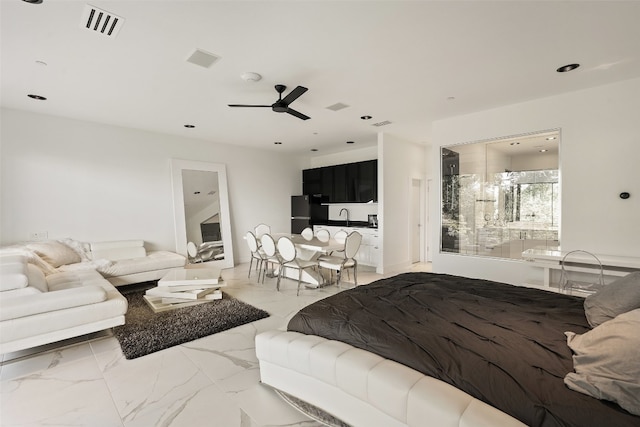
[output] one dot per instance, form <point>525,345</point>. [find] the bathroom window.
<point>501,197</point>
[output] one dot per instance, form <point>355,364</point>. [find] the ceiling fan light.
<point>250,77</point>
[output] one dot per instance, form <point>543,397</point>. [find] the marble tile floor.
<point>213,381</point>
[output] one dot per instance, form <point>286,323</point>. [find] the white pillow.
<point>13,275</point>
<point>54,252</point>
<point>620,296</point>
<point>606,361</point>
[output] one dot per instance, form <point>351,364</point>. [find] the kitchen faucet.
<point>347,211</point>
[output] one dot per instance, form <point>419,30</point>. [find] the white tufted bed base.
<point>364,389</point>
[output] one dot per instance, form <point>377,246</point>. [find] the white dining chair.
<point>271,254</point>
<point>256,252</point>
<point>307,233</point>
<point>288,254</point>
<point>261,229</point>
<point>346,262</point>
<point>323,235</point>
<point>339,237</point>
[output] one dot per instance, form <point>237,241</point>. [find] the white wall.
<point>399,163</point>
<point>95,182</point>
<point>599,157</point>
<point>351,156</point>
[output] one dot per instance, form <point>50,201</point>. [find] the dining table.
<point>309,250</point>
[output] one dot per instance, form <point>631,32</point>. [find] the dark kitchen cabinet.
<point>312,181</point>
<point>367,185</point>
<point>317,181</point>
<point>347,183</point>
<point>339,192</point>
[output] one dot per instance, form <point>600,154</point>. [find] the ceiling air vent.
<point>202,58</point>
<point>384,123</point>
<point>100,21</point>
<point>337,107</point>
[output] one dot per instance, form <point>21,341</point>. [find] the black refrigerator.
<point>307,211</point>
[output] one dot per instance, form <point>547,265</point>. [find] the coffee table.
<point>183,287</point>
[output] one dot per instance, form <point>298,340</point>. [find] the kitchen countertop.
<point>343,223</point>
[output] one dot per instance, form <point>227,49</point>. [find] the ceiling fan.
<point>282,105</point>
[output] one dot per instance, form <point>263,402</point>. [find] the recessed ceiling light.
<point>189,126</point>
<point>38,97</point>
<point>278,143</point>
<point>366,117</point>
<point>543,150</point>
<point>314,149</point>
<point>551,138</point>
<point>568,67</point>
<point>349,142</point>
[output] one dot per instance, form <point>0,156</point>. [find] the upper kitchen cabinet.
<point>367,184</point>
<point>317,181</point>
<point>347,183</point>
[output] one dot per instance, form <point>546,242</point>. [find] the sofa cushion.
<point>32,257</point>
<point>28,305</point>
<point>118,249</point>
<point>13,273</point>
<point>36,278</point>
<point>158,260</point>
<point>54,252</point>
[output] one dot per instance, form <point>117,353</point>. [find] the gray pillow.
<point>616,298</point>
<point>606,361</point>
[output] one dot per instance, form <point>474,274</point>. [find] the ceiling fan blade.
<point>294,94</point>
<point>243,105</point>
<point>297,114</point>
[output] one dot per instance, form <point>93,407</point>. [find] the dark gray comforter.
<point>502,344</point>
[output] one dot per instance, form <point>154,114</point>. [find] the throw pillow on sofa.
<point>55,253</point>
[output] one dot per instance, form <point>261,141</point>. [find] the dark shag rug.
<point>145,332</point>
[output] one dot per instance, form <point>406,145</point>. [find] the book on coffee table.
<point>216,294</point>
<point>181,294</point>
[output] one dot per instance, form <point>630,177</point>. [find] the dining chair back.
<point>287,249</point>
<point>345,261</point>
<point>323,235</point>
<point>289,259</point>
<point>352,244</point>
<point>261,229</point>
<point>256,252</point>
<point>307,233</point>
<point>270,252</point>
<point>340,236</point>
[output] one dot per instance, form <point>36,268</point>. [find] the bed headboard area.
<point>504,345</point>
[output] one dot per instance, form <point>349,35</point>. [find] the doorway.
<point>415,223</point>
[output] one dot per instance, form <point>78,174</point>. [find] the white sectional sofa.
<point>36,309</point>
<point>121,262</point>
<point>58,289</point>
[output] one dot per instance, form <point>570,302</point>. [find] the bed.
<point>502,346</point>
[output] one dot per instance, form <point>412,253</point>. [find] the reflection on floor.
<point>211,381</point>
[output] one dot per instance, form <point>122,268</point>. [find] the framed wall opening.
<point>501,196</point>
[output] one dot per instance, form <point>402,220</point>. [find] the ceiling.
<point>408,63</point>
